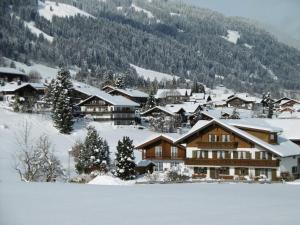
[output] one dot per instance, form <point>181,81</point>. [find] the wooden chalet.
<point>217,150</point>
<point>173,95</point>
<point>27,91</point>
<point>134,95</point>
<point>11,74</point>
<point>240,102</point>
<point>162,151</point>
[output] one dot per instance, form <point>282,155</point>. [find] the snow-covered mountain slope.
<point>151,74</point>
<point>46,72</point>
<point>139,9</point>
<point>50,9</point>
<point>11,124</point>
<point>31,26</point>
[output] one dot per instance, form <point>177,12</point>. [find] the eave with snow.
<point>11,74</point>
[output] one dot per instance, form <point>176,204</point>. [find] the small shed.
<point>145,166</point>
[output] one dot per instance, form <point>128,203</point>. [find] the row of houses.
<point>220,149</point>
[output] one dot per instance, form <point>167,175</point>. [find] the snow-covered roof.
<point>161,108</point>
<point>289,100</point>
<point>189,107</point>
<point>170,136</point>
<point>163,93</point>
<point>245,97</point>
<point>93,91</point>
<point>144,163</point>
<point>218,112</point>
<point>284,147</point>
<point>256,124</point>
<point>13,86</point>
<point>11,71</point>
<point>131,92</point>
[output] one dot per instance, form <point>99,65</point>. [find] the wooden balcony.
<point>232,162</point>
<point>164,157</point>
<point>217,145</point>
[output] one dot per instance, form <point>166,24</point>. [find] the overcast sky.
<point>280,16</point>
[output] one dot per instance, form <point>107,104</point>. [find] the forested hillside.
<point>165,36</point>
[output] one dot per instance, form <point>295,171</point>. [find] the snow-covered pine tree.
<point>125,159</point>
<point>61,102</point>
<point>93,153</point>
<point>120,81</point>
<point>151,102</point>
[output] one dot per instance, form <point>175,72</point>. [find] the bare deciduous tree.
<point>35,161</point>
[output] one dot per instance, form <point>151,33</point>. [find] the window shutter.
<point>194,154</point>
<point>257,155</point>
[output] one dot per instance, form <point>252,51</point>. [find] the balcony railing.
<point>217,145</point>
<point>164,157</point>
<point>232,162</point>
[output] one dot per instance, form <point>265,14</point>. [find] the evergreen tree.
<point>61,102</point>
<point>270,109</point>
<point>125,159</point>
<point>151,102</point>
<point>120,81</point>
<point>93,154</point>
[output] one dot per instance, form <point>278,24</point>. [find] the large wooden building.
<point>218,150</point>
<point>11,74</point>
<point>132,94</point>
<point>103,106</point>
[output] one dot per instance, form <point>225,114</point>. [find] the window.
<point>158,151</point>
<point>221,154</point>
<point>174,152</point>
<point>212,138</point>
<point>200,170</point>
<point>263,155</point>
<point>174,164</point>
<point>223,170</point>
<point>225,138</point>
<point>294,169</point>
<point>159,166</point>
<point>272,137</point>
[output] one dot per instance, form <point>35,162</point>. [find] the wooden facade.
<point>239,103</point>
<point>148,150</point>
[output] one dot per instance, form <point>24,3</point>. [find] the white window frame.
<point>174,152</point>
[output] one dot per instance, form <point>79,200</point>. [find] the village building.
<point>103,106</point>
<point>161,150</point>
<point>173,95</point>
<point>216,149</point>
<point>242,101</point>
<point>132,94</point>
<point>11,74</point>
<point>26,91</point>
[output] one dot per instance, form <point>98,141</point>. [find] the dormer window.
<point>272,137</point>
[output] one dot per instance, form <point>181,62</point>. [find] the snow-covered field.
<point>11,124</point>
<point>112,201</point>
<point>50,9</point>
<point>151,74</point>
<point>186,204</point>
<point>139,9</point>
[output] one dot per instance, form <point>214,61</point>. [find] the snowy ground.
<point>192,204</point>
<point>50,9</point>
<point>151,74</point>
<point>232,36</point>
<point>126,203</point>
<point>11,123</point>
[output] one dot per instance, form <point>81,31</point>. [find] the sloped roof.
<point>284,147</point>
<point>171,137</point>
<point>131,92</point>
<point>163,93</point>
<point>189,107</point>
<point>161,108</point>
<point>11,71</point>
<point>93,91</point>
<point>13,86</point>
